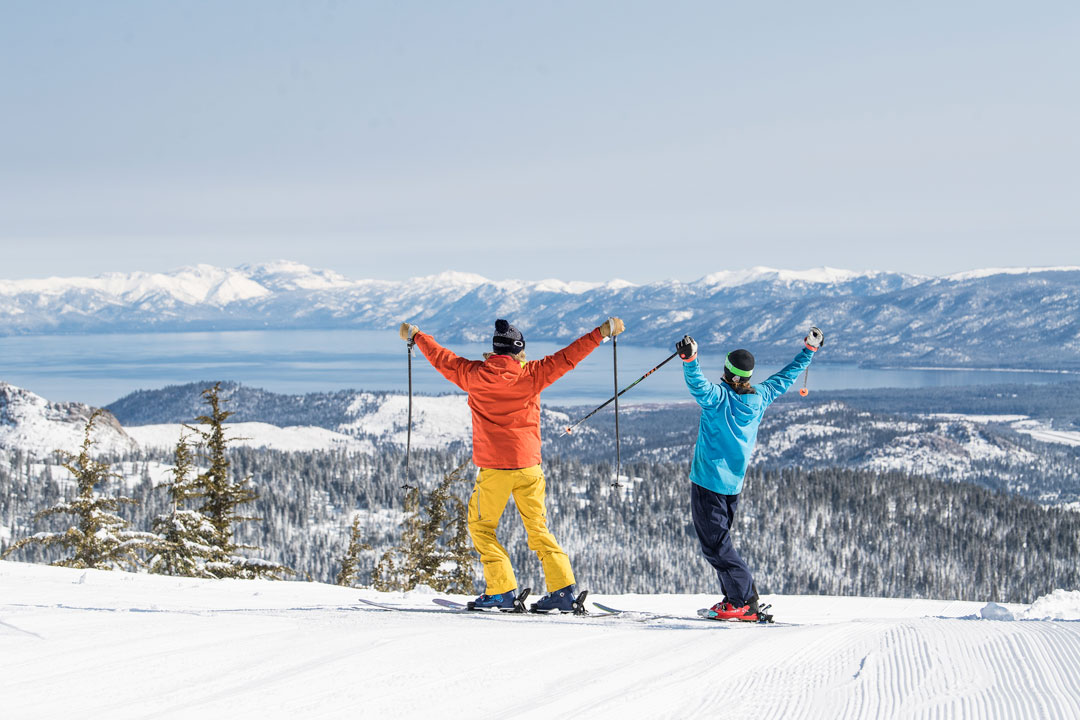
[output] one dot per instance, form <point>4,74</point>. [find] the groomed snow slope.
<point>117,645</point>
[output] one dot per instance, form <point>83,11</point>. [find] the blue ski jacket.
<point>729,423</point>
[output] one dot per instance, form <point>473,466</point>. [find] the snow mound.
<point>993,611</point>
<point>1058,605</point>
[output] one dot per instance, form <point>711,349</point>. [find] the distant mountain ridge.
<point>1013,318</point>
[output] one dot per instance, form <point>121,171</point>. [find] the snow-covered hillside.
<point>119,645</point>
<point>370,420</point>
<point>32,424</point>
<point>254,434</point>
<point>942,320</point>
<point>830,433</point>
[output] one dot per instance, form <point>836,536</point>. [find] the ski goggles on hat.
<point>734,370</point>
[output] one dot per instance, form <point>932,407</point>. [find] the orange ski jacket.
<point>504,396</point>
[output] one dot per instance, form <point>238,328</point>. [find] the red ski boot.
<point>727,611</point>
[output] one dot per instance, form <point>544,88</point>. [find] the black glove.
<point>814,338</point>
<point>686,348</point>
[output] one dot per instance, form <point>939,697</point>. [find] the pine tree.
<point>459,549</point>
<point>100,538</point>
<point>350,563</point>
<point>426,556</point>
<point>386,575</point>
<point>222,498</point>
<point>187,539</point>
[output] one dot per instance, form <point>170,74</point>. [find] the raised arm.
<point>452,367</point>
<point>549,369</point>
<point>701,388</point>
<point>779,383</point>
<point>554,366</point>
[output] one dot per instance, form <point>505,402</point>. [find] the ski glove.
<point>686,348</point>
<point>814,338</point>
<point>612,326</point>
<point>406,331</point>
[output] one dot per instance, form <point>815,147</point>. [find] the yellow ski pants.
<point>493,489</point>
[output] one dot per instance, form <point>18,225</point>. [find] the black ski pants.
<point>714,514</point>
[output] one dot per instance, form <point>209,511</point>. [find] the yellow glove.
<point>612,326</point>
<point>406,331</point>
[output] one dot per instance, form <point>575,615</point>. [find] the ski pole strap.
<point>734,370</point>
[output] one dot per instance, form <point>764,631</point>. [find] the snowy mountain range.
<point>1013,318</point>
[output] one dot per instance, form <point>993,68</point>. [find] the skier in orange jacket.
<point>504,395</point>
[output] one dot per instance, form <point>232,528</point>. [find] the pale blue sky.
<point>580,140</point>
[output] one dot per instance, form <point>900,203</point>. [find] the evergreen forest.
<point>821,531</point>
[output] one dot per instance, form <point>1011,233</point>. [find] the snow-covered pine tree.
<point>350,563</point>
<point>99,538</point>
<point>459,548</point>
<point>222,497</point>
<point>187,540</point>
<point>426,556</point>
<point>386,575</point>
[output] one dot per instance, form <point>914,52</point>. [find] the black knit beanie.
<point>739,366</point>
<point>507,339</point>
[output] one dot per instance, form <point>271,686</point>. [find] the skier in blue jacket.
<point>730,414</point>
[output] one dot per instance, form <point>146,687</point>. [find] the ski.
<point>396,608</point>
<point>450,604</point>
<point>606,611</point>
<point>519,604</point>
<point>579,607</point>
<point>702,616</point>
<point>640,615</point>
<point>443,603</point>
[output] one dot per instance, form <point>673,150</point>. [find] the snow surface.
<point>122,645</point>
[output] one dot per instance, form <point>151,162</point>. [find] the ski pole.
<point>570,428</point>
<point>408,432</point>
<point>804,391</point>
<point>615,372</point>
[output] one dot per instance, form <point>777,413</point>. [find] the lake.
<point>98,369</point>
